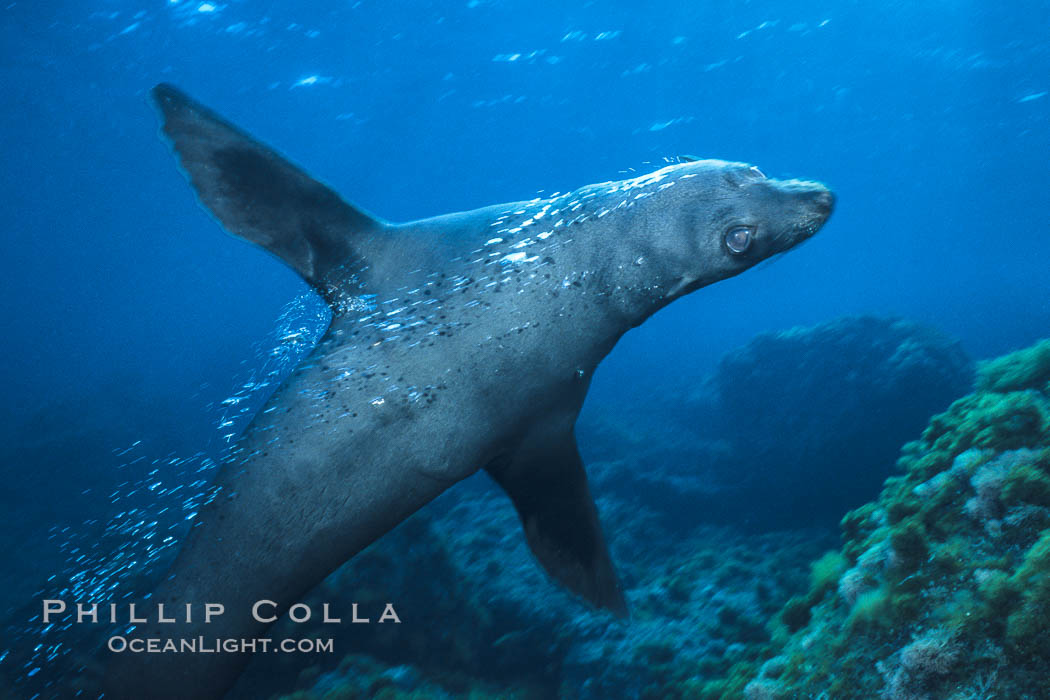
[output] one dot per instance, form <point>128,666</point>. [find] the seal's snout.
<point>816,203</point>
<point>816,199</point>
<point>812,198</point>
<point>823,202</point>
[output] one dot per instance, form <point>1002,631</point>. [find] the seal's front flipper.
<point>548,486</point>
<point>256,194</point>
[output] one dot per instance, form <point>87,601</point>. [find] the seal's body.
<point>457,343</point>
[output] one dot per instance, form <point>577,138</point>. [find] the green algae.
<point>1027,483</point>
<point>1028,368</point>
<point>1027,623</point>
<point>999,421</point>
<point>825,572</point>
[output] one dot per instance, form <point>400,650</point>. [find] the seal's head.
<point>728,217</point>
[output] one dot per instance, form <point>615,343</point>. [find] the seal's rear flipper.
<point>256,194</point>
<point>549,489</point>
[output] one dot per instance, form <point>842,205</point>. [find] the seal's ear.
<point>258,195</point>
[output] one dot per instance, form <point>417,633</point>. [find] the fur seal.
<point>457,343</point>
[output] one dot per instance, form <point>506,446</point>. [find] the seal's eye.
<point>738,239</point>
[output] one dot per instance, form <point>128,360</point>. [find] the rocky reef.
<point>480,619</point>
<point>942,586</point>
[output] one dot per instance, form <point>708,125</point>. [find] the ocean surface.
<point>141,338</point>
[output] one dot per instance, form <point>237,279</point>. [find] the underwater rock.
<point>948,570</point>
<point>792,429</point>
<point>816,415</point>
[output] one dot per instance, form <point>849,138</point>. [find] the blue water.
<point>129,312</point>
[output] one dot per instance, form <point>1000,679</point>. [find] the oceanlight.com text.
<point>214,645</point>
